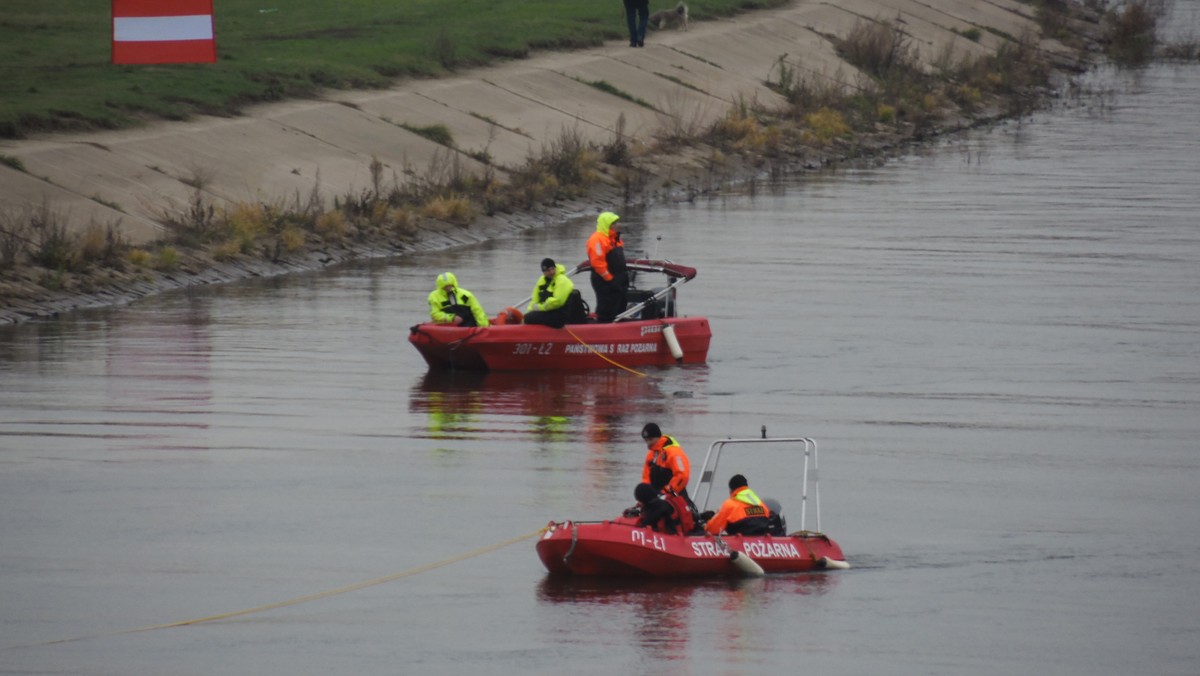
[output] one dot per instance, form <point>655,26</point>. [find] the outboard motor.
<point>778,523</point>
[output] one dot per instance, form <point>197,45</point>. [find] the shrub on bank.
<point>1131,31</point>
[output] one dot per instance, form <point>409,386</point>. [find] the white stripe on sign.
<point>162,28</point>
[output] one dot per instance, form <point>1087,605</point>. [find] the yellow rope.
<point>301,599</point>
<point>639,373</point>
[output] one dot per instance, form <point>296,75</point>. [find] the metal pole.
<point>804,491</point>
<point>816,485</point>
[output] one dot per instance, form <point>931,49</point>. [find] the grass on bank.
<point>55,72</point>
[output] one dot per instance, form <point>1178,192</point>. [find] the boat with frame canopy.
<point>619,547</point>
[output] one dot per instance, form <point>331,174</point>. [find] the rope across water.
<point>598,354</point>
<point>300,599</point>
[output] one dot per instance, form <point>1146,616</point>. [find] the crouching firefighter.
<point>663,512</point>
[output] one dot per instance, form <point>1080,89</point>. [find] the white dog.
<point>664,17</point>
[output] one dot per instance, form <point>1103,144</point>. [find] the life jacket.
<point>755,515</point>
<point>679,520</point>
<point>743,512</point>
<point>683,513</point>
<point>752,504</point>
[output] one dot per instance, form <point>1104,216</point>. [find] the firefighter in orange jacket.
<point>743,513</point>
<point>606,254</point>
<point>666,463</point>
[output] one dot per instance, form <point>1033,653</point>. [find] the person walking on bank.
<point>549,303</point>
<point>606,253</point>
<point>666,463</point>
<point>742,513</point>
<point>449,304</point>
<point>637,13</point>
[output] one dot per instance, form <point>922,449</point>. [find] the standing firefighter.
<point>606,253</point>
<point>667,466</point>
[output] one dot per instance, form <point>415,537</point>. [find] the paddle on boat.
<point>648,333</point>
<point>618,547</point>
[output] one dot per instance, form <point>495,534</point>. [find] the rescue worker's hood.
<point>447,279</point>
<point>604,222</point>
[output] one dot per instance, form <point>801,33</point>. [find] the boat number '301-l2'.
<point>639,536</point>
<point>532,348</point>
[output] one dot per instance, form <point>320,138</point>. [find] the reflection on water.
<point>618,591</point>
<point>176,349</point>
<point>147,384</point>
<point>661,617</point>
<point>544,406</point>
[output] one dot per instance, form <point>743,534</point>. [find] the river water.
<point>996,342</point>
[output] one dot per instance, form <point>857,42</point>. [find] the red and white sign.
<point>163,31</point>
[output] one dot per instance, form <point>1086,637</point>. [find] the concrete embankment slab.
<point>472,133</point>
<point>341,142</point>
<point>25,193</point>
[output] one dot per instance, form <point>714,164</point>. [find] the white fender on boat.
<point>672,342</point>
<point>746,565</point>
<point>832,564</point>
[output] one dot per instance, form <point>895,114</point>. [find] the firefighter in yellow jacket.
<point>549,303</point>
<point>449,304</point>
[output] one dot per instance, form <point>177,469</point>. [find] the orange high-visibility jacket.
<point>666,452</point>
<point>742,503</point>
<point>601,243</point>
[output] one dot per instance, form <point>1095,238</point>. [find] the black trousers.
<point>751,525</point>
<point>636,14</point>
<point>555,318</point>
<point>610,297</point>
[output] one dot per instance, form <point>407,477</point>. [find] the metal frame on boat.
<point>619,547</point>
<point>810,450</point>
<point>649,332</point>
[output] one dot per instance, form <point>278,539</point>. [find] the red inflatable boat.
<point>648,333</point>
<point>619,548</point>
